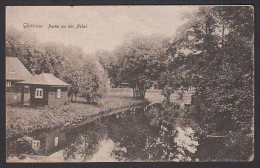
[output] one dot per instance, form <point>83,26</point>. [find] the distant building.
<point>124,85</point>
<point>45,89</point>
<point>15,72</point>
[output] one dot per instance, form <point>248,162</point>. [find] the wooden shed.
<point>45,89</point>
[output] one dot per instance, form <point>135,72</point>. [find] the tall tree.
<point>140,61</point>
<point>218,43</point>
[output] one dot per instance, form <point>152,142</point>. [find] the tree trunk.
<point>134,92</point>
<point>139,91</point>
<point>223,34</point>
<point>167,99</point>
<point>75,97</point>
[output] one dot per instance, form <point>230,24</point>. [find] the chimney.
<point>33,71</point>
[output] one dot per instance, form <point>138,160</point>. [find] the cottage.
<point>15,72</point>
<point>45,89</point>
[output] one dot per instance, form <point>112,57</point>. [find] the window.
<point>56,140</point>
<point>58,93</point>
<point>8,83</point>
<point>36,144</point>
<point>39,93</point>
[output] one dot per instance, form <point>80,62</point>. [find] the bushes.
<point>13,98</point>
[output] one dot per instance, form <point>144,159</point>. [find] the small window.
<point>58,94</point>
<point>56,140</point>
<point>39,93</point>
<point>8,83</point>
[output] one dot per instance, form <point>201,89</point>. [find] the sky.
<point>105,26</point>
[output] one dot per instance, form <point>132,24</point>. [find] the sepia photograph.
<point>129,83</point>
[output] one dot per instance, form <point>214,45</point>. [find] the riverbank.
<point>25,120</point>
<point>125,136</point>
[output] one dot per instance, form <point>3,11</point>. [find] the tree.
<point>140,61</point>
<point>24,46</point>
<point>218,43</point>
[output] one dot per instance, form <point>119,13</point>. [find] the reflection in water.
<point>104,152</point>
<point>186,143</point>
<point>127,136</point>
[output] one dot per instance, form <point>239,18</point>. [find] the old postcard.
<point>129,83</point>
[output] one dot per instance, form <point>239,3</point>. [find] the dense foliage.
<point>221,40</point>
<point>139,61</point>
<point>213,52</point>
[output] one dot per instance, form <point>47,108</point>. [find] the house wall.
<point>49,96</point>
<point>39,101</point>
<point>14,88</point>
<point>53,100</point>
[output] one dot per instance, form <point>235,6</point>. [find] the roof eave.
<point>43,84</point>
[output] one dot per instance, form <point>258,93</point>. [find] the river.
<point>125,136</point>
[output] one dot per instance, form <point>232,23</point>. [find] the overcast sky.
<point>107,25</point>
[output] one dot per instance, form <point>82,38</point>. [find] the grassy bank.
<point>23,120</point>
